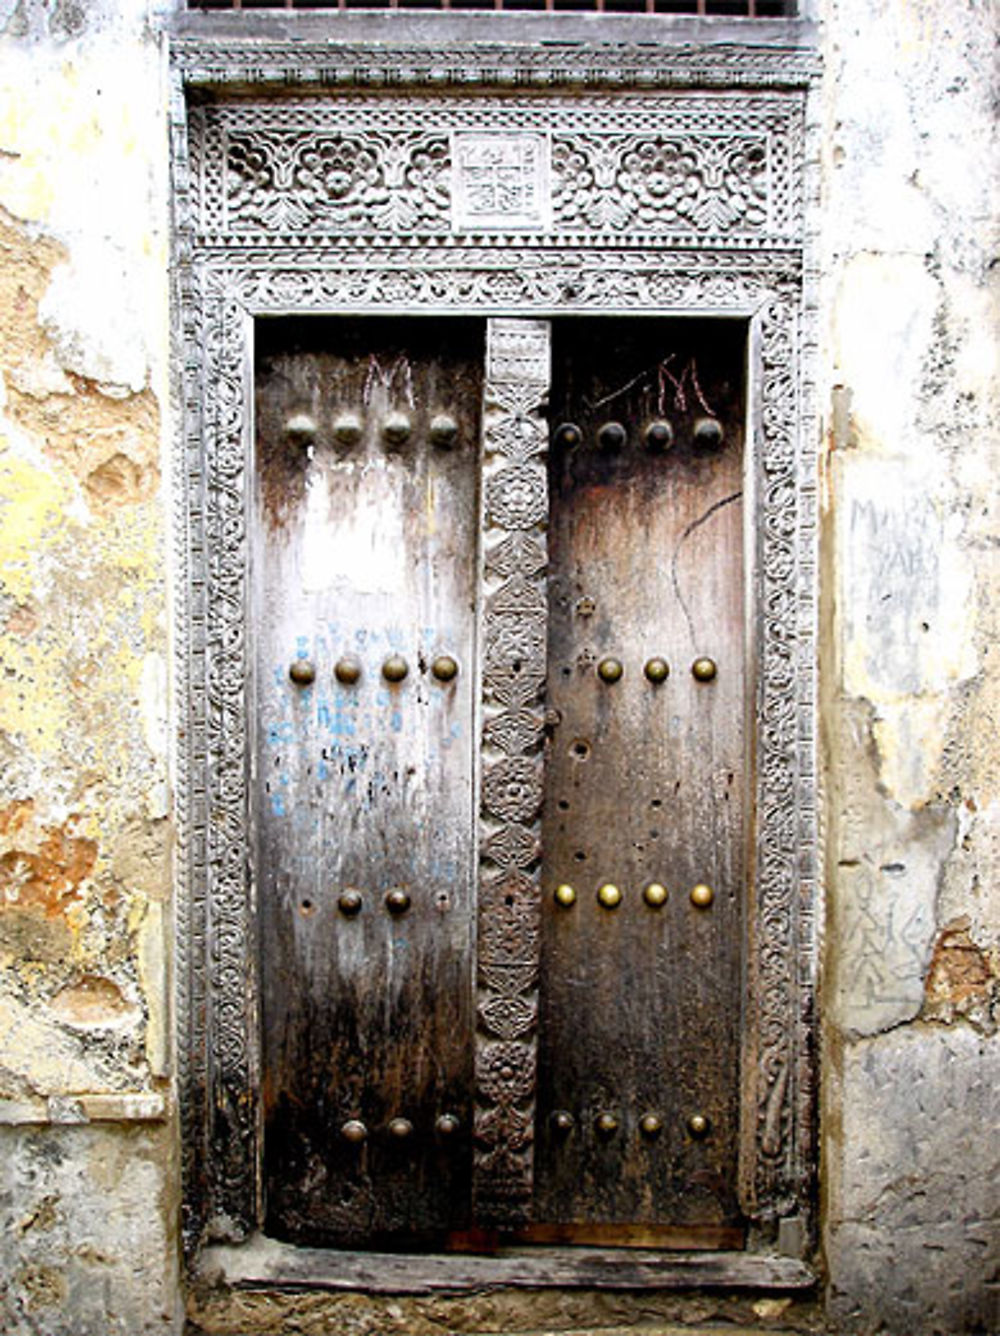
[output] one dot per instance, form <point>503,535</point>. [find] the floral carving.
<point>344,204</point>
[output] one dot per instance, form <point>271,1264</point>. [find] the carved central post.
<point>513,647</point>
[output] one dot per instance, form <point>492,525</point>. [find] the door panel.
<point>366,559</point>
<point>645,778</point>
<point>366,598</point>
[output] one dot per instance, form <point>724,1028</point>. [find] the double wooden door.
<point>367,625</point>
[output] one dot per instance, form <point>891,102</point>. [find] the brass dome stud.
<point>655,895</point>
<point>444,668</point>
<point>397,901</point>
<point>708,433</point>
<point>650,1125</point>
<point>447,1125</point>
<point>443,431</point>
<point>702,895</point>
<point>704,669</point>
<point>302,672</point>
<point>347,429</point>
<point>659,435</point>
<point>563,1122</point>
<point>354,1131</point>
<point>301,429</point>
<point>699,1126</point>
<point>395,668</point>
<point>349,902</point>
<point>605,1125</point>
<point>400,1128</point>
<point>568,435</point>
<point>657,670</point>
<point>396,428</point>
<point>610,670</point>
<point>609,895</point>
<point>564,895</point>
<point>347,670</point>
<point>611,436</point>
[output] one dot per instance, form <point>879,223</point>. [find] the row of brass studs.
<point>401,1129</point>
<point>656,669</point>
<point>350,901</point>
<point>348,429</point>
<point>657,436</point>
<point>347,670</point>
<point>607,1125</point>
<point>610,896</point>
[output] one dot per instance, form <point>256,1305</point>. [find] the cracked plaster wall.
<point>911,666</point>
<point>87,1186</point>
<point>910,673</point>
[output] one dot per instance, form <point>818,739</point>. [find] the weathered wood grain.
<point>365,549</point>
<point>640,1006</point>
<point>262,1263</point>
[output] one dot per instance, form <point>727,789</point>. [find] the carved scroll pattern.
<point>515,509</point>
<point>776,990</point>
<point>237,272</point>
<point>231,1143</point>
<point>657,167</point>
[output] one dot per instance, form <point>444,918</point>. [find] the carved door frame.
<point>259,232</point>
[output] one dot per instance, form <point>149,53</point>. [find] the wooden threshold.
<point>263,1263</point>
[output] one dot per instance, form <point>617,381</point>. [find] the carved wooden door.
<point>520,1021</point>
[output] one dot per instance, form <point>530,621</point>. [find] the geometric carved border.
<point>220,289</point>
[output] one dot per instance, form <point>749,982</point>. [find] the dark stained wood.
<point>365,549</point>
<point>694,1238</point>
<point>640,1007</point>
<point>262,1263</point>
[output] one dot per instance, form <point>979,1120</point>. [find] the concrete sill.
<point>263,1263</point>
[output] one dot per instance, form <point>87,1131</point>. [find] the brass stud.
<point>563,1122</point>
<point>301,429</point>
<point>400,1128</point>
<point>612,436</point>
<point>609,895</point>
<point>443,430</point>
<point>397,901</point>
<point>564,895</point>
<point>347,428</point>
<point>657,670</point>
<point>302,672</point>
<point>568,435</point>
<point>650,1125</point>
<point>702,895</point>
<point>444,668</point>
<point>655,895</point>
<point>349,902</point>
<point>395,668</point>
<point>354,1131</point>
<point>347,670</point>
<point>396,428</point>
<point>699,1126</point>
<point>704,669</point>
<point>610,670</point>
<point>708,433</point>
<point>659,435</point>
<point>447,1125</point>
<point>606,1124</point>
